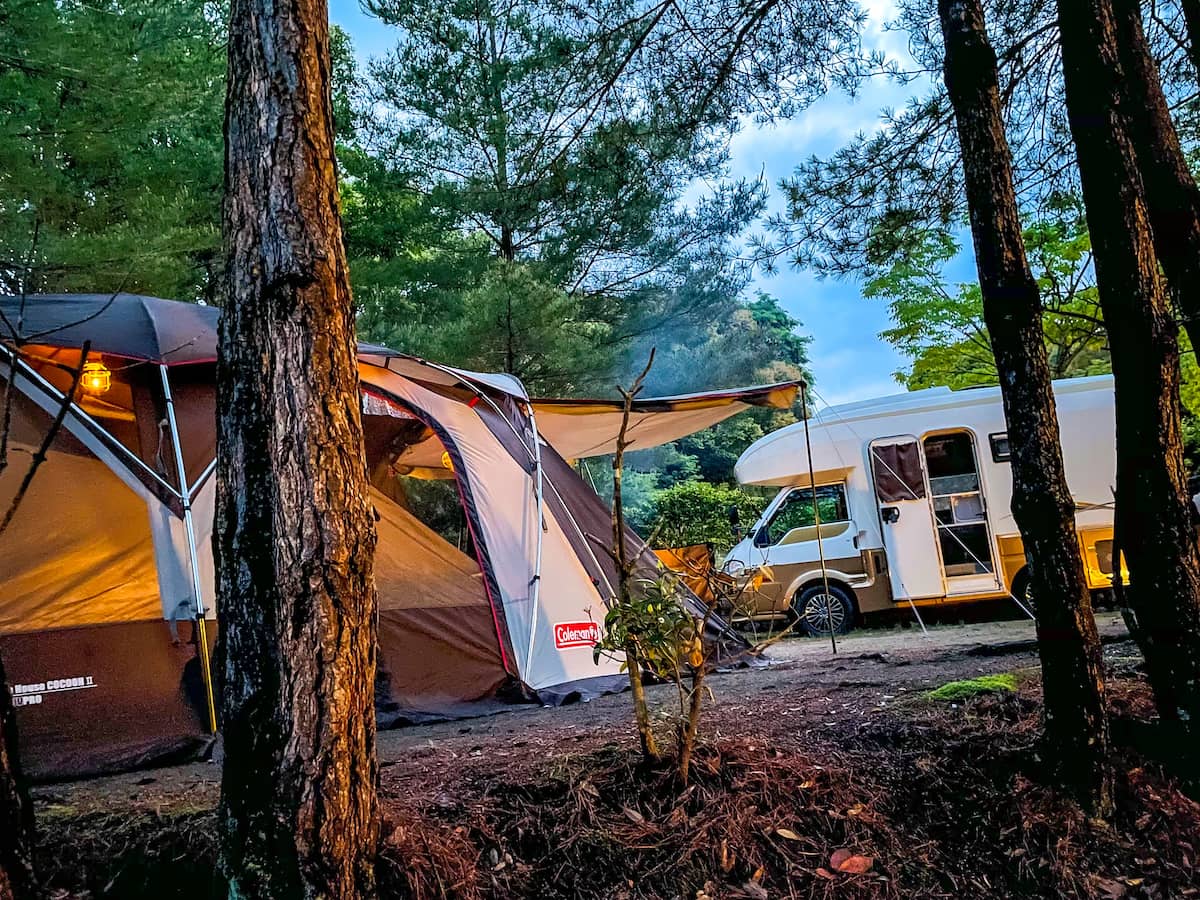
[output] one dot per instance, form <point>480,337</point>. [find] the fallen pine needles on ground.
<point>930,801</point>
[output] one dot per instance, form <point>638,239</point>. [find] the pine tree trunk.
<point>294,540</point>
<point>1154,515</point>
<point>1172,198</point>
<point>17,879</point>
<point>1076,722</point>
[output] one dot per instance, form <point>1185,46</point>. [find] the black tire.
<point>810,605</point>
<point>1022,590</point>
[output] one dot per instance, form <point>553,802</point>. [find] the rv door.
<point>909,532</point>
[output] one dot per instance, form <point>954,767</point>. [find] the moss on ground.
<point>955,691</point>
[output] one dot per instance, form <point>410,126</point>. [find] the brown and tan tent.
<point>107,613</point>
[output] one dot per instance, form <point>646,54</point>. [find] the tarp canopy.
<point>583,428</point>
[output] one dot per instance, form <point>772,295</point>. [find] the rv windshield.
<point>796,511</point>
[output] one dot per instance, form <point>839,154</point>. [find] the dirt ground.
<point>805,687</point>
<point>820,776</point>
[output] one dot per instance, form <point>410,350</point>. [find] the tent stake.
<point>812,483</point>
<point>189,527</point>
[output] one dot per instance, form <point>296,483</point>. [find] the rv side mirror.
<point>735,520</point>
<point>891,515</point>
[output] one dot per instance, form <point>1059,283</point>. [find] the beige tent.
<point>107,608</point>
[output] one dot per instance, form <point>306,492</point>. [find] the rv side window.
<point>796,512</point>
<point>999,442</point>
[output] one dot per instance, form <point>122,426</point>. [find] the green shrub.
<point>694,512</point>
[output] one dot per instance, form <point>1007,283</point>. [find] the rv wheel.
<point>816,609</point>
<point>1022,590</point>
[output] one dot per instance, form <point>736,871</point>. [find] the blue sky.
<point>849,361</point>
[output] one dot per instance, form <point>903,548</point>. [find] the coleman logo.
<point>576,634</point>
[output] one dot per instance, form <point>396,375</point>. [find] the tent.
<point>107,607</point>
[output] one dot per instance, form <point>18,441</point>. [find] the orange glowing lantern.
<point>96,379</point>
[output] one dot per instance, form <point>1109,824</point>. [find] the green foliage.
<point>715,450</point>
<point>110,146</point>
<point>750,342</point>
<point>694,512</point>
<point>559,186</point>
<point>653,620</point>
<point>513,321</point>
<point>905,174</point>
<point>941,327</point>
<point>957,691</point>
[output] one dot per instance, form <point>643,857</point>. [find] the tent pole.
<point>536,585</point>
<point>535,455</point>
<point>193,559</point>
<point>110,445</point>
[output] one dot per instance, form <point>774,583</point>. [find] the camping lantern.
<point>96,378</point>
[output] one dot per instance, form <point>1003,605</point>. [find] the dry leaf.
<point>727,859</point>
<point>845,861</point>
<point>755,890</point>
<point>788,834</point>
<point>634,816</point>
<point>825,873</point>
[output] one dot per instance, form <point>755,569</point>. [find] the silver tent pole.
<point>535,454</point>
<point>189,526</point>
<point>110,445</point>
<point>536,585</point>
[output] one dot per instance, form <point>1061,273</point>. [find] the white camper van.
<point>913,493</point>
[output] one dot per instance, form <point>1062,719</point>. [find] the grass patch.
<point>973,687</point>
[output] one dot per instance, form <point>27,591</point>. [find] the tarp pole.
<point>190,529</point>
<point>812,482</point>
<point>536,584</point>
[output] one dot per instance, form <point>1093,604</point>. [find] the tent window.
<point>897,470</point>
<point>796,511</point>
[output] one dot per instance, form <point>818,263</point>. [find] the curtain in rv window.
<point>897,471</point>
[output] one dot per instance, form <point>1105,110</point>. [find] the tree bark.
<point>295,538</point>
<point>1154,515</point>
<point>17,877</point>
<point>1076,722</point>
<point>1172,198</point>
